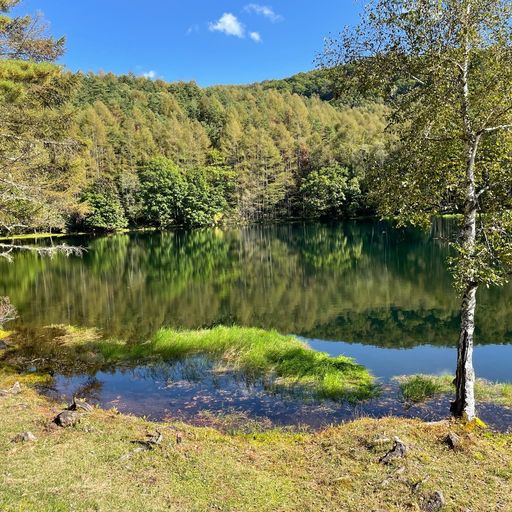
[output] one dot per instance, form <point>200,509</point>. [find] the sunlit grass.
<point>419,388</point>
<point>4,334</point>
<point>284,360</point>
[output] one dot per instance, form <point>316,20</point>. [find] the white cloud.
<point>228,24</point>
<point>255,36</point>
<point>150,74</point>
<point>264,10</point>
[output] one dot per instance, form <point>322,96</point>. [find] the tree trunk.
<point>464,404</point>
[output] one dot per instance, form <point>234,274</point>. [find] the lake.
<point>361,288</point>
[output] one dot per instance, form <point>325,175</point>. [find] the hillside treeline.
<point>163,154</point>
<point>151,153</point>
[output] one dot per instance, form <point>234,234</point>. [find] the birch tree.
<point>445,69</point>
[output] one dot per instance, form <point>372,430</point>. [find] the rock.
<point>398,451</point>
<point>453,441</point>
<point>435,503</point>
<point>79,403</point>
<point>14,390</point>
<point>3,345</point>
<point>24,437</point>
<point>67,419</point>
<point>153,440</point>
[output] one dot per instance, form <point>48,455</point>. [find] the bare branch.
<point>67,250</point>
<point>495,128</point>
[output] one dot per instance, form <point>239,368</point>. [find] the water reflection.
<point>360,282</point>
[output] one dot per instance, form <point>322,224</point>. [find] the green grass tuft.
<point>284,363</point>
<point>419,388</point>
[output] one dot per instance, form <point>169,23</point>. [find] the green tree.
<point>163,189</point>
<point>329,192</point>
<point>446,67</point>
<point>105,212</point>
<point>205,201</point>
<point>39,176</point>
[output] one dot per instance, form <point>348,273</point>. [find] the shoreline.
<point>103,463</point>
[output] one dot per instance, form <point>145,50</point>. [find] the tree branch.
<point>67,250</point>
<point>495,128</point>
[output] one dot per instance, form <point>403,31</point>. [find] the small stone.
<point>453,441</point>
<point>24,437</point>
<point>80,404</point>
<point>435,503</point>
<point>15,390</point>
<point>67,419</point>
<point>398,451</point>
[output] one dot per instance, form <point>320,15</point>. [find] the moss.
<point>9,376</point>
<point>4,334</point>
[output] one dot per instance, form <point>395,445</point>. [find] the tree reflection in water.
<point>358,281</point>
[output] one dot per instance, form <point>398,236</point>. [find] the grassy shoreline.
<point>93,466</point>
<point>283,362</point>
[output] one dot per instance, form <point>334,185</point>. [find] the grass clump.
<point>418,388</point>
<point>284,361</point>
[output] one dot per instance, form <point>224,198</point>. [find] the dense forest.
<point>151,153</point>
<point>162,154</point>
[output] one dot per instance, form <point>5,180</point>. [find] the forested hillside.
<point>151,153</point>
<point>246,153</point>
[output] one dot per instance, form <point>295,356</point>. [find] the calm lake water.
<point>361,288</point>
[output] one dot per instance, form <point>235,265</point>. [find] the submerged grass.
<point>93,466</point>
<point>418,388</point>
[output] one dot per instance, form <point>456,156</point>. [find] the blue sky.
<point>209,41</point>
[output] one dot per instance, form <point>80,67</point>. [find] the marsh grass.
<point>419,388</point>
<point>284,361</point>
